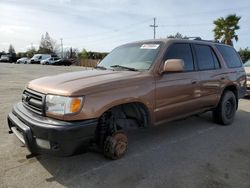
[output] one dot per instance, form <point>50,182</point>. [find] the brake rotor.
<point>116,145</point>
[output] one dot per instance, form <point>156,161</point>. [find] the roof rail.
<point>193,38</point>
<point>199,38</point>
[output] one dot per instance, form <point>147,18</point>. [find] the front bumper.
<point>61,138</point>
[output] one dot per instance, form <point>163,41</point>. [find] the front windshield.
<point>136,56</point>
<point>247,64</point>
<point>36,56</point>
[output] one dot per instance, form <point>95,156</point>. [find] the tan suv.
<point>137,85</point>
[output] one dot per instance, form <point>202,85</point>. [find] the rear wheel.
<point>225,111</point>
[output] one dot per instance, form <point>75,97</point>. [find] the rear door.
<point>177,93</point>
<point>210,74</point>
<point>235,71</point>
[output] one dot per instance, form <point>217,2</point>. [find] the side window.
<point>206,57</point>
<point>230,56</point>
<point>216,61</point>
<point>181,51</point>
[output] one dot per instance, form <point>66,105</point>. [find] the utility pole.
<point>154,27</point>
<point>61,47</point>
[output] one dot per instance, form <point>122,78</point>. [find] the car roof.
<point>171,40</point>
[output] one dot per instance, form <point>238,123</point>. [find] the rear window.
<point>230,56</point>
<point>206,58</point>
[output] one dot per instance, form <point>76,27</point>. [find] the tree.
<point>71,53</point>
<point>47,44</point>
<point>21,54</point>
<point>244,54</point>
<point>11,50</point>
<point>31,51</point>
<point>225,29</point>
<point>177,36</point>
<point>83,54</point>
<point>12,53</point>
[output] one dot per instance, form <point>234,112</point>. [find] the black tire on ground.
<point>116,145</point>
<point>225,111</point>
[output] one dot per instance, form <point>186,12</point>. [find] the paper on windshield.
<point>150,46</point>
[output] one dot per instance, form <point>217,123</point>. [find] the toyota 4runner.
<point>138,84</point>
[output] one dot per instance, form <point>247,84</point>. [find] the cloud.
<point>101,25</point>
<point>11,29</point>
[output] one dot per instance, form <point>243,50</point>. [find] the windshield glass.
<point>36,56</point>
<point>136,56</point>
<point>247,64</point>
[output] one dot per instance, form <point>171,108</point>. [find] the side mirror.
<point>173,65</point>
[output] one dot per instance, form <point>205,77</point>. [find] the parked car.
<point>65,62</point>
<point>247,69</point>
<point>5,58</point>
<point>23,60</point>
<point>37,58</point>
<point>50,60</point>
<point>139,84</point>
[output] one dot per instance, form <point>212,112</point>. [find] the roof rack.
<point>199,38</point>
<point>193,38</point>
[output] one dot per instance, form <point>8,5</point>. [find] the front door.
<point>177,94</point>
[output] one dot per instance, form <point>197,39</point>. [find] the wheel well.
<point>125,116</point>
<point>135,111</point>
<point>234,90</point>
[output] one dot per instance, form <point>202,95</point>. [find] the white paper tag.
<point>150,46</point>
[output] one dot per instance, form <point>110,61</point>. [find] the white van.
<point>37,58</point>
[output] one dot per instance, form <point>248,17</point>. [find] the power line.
<point>210,12</point>
<point>185,25</point>
<point>114,30</point>
<point>154,27</point>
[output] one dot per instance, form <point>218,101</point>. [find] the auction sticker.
<point>150,46</point>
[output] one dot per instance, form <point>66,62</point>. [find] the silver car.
<point>49,61</point>
<point>23,60</point>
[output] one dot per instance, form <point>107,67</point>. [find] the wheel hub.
<point>229,108</point>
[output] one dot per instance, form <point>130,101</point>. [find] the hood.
<point>82,82</point>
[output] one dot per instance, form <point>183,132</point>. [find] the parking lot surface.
<point>193,152</point>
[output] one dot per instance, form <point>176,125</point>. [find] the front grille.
<point>33,101</point>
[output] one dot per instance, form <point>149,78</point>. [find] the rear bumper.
<point>248,88</point>
<point>248,92</point>
<point>46,135</point>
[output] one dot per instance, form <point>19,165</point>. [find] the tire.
<point>116,145</point>
<point>225,111</point>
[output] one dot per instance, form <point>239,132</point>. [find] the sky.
<point>102,25</point>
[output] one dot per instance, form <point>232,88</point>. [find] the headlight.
<point>60,105</point>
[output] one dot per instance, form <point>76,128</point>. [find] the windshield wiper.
<point>101,67</point>
<point>123,67</point>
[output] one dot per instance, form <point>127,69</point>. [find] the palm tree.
<point>225,29</point>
